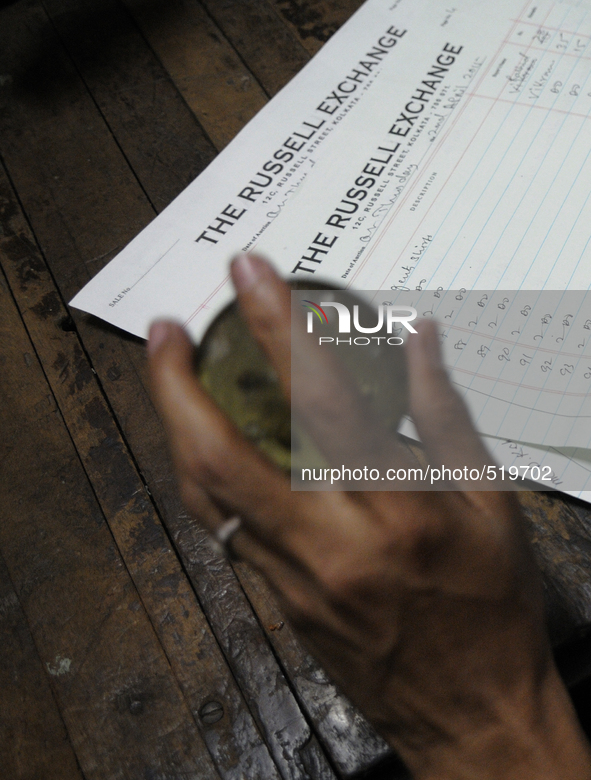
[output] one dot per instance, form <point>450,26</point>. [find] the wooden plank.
<point>265,687</point>
<point>107,47</point>
<point>120,367</point>
<point>217,86</point>
<point>45,110</point>
<point>256,669</point>
<point>33,738</point>
<point>560,530</point>
<point>232,739</point>
<point>314,21</point>
<point>261,36</point>
<point>76,225</point>
<point>352,743</point>
<point>117,695</point>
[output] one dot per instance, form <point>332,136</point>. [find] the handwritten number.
<point>545,321</point>
<point>546,366</point>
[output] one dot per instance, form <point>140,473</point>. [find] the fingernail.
<point>159,332</point>
<point>246,272</point>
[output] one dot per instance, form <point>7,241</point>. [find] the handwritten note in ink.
<point>522,359</point>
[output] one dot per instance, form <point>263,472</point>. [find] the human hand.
<point>426,608</point>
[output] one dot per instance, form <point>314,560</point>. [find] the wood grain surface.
<point>132,650</point>
<point>120,702</point>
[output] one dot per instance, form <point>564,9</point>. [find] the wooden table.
<point>129,650</point>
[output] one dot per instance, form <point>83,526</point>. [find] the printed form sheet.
<point>480,185</point>
<point>521,359</point>
<point>427,146</point>
<point>477,178</point>
<point>178,265</point>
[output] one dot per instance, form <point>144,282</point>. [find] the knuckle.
<point>423,541</point>
<point>424,522</point>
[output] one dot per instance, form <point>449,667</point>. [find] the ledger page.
<point>366,74</point>
<point>477,177</point>
<point>178,265</point>
<point>477,182</point>
<point>428,145</point>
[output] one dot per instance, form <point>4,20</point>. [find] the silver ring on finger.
<point>223,534</point>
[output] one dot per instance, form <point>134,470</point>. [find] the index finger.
<point>324,395</point>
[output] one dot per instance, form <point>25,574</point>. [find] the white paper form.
<point>564,469</point>
<point>178,266</point>
<point>522,360</point>
<point>567,469</point>
<point>542,388</point>
<point>511,208</point>
<point>161,273</point>
<point>485,186</point>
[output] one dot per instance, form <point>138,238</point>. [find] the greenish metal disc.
<point>237,374</point>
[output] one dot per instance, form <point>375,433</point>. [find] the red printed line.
<point>206,301</point>
<point>516,384</point>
